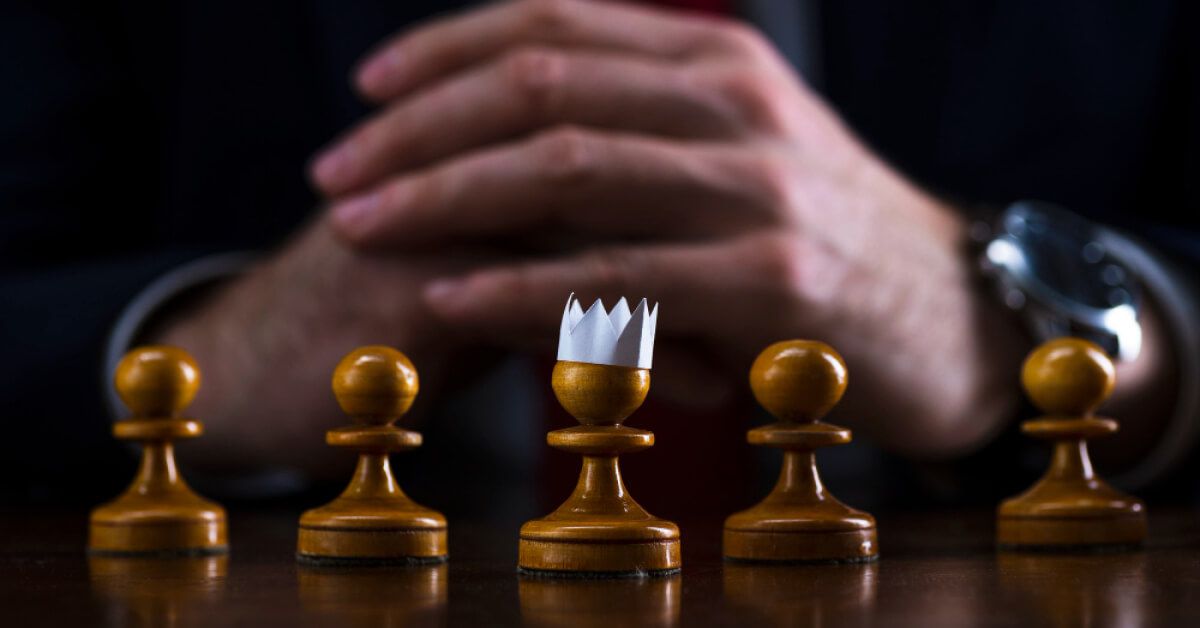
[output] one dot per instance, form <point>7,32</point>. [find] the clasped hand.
<point>527,150</point>
<point>631,151</point>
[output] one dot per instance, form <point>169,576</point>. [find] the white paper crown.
<point>619,338</point>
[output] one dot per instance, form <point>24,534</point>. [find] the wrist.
<point>922,332</point>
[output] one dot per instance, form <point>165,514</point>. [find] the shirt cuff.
<point>153,300</point>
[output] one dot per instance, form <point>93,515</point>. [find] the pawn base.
<point>335,534</point>
<point>800,521</point>
<point>1070,508</point>
<point>550,574</point>
<point>1071,533</point>
<point>119,529</point>
<point>596,549</point>
<point>856,546</point>
<point>828,531</point>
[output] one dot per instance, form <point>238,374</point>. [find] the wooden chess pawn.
<point>373,521</point>
<point>600,530</point>
<point>798,381</point>
<point>1070,507</point>
<point>158,513</point>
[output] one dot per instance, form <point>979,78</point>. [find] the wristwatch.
<point>1062,274</point>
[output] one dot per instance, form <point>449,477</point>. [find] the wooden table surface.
<point>936,569</point>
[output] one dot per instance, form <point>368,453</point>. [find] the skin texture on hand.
<point>675,157</point>
<point>526,150</point>
<point>267,343</point>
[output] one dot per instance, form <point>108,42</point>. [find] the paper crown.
<point>619,337</point>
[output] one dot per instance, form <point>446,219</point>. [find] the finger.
<point>451,44</point>
<point>571,181</point>
<point>525,90</point>
<point>724,292</point>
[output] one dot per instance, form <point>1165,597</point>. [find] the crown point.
<point>375,384</point>
<point>798,380</point>
<point>1068,376</point>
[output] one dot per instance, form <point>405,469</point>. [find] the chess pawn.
<point>158,513</point>
<point>798,381</point>
<point>373,521</point>
<point>1070,507</point>
<point>600,530</point>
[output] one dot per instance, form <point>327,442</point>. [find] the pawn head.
<point>157,381</point>
<point>798,380</point>
<point>599,394</point>
<point>375,384</point>
<point>1068,376</point>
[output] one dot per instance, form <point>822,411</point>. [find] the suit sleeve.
<point>77,198</point>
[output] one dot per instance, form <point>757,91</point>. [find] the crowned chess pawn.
<point>158,513</point>
<point>602,376</point>
<point>798,381</point>
<point>1070,507</point>
<point>373,521</point>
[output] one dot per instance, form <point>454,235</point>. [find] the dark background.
<point>135,136</point>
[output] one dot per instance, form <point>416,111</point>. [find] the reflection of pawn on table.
<point>600,602</point>
<point>150,591</point>
<point>373,521</point>
<point>602,376</point>
<point>1070,507</point>
<point>158,513</point>
<point>798,381</point>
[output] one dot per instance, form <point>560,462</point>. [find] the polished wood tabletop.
<point>935,569</point>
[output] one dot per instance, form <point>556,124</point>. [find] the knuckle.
<point>740,38</point>
<point>419,193</point>
<point>608,269</point>
<point>774,179</point>
<point>537,74</point>
<point>756,98</point>
<point>517,283</point>
<point>781,262</point>
<point>540,15</point>
<point>567,155</point>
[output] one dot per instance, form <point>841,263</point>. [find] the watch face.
<point>1060,255</point>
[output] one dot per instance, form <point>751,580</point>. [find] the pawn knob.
<point>1068,376</point>
<point>599,394</point>
<point>375,384</point>
<point>157,381</point>
<point>798,380</point>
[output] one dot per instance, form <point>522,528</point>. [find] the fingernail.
<point>445,294</point>
<point>352,214</point>
<point>330,167</point>
<point>380,70</point>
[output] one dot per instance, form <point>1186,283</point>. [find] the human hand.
<point>682,160</point>
<point>267,342</point>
